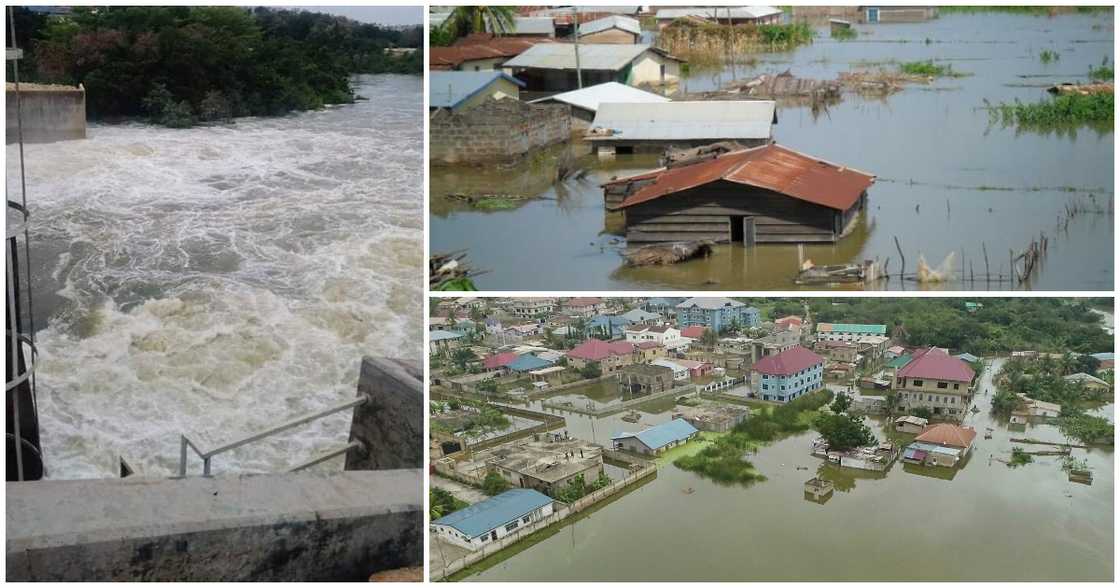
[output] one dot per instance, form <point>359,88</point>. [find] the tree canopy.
<point>206,62</point>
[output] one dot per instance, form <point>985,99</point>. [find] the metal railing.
<point>208,454</point>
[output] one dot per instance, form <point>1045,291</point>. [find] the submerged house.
<point>768,194</point>
<point>942,445</point>
<point>585,101</point>
<point>628,127</point>
<point>733,15</point>
<point>461,90</point>
<point>614,29</point>
<point>480,52</point>
<point>494,518</point>
<point>657,439</point>
<point>551,67</point>
<point>878,14</point>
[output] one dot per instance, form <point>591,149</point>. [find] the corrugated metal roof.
<point>851,328</point>
<point>533,25</point>
<point>590,97</point>
<point>788,362</point>
<point>527,362</point>
<point>478,519</point>
<point>480,46</point>
<point>714,120</point>
<point>718,12</point>
<point>947,435</point>
<point>448,89</point>
<point>441,335</point>
<point>770,167</point>
<point>661,435</point>
<point>592,56</point>
<point>615,21</point>
<point>710,303</point>
<point>935,364</point>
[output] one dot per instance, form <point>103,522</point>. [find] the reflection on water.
<point>949,181</point>
<point>992,522</point>
<point>221,279</point>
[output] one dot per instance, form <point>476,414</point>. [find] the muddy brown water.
<point>979,522</point>
<point>949,179</point>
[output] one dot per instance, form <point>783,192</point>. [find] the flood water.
<point>222,279</point>
<point>985,522</point>
<point>948,179</point>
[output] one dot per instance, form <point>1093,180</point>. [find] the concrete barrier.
<point>276,527</point>
<point>391,425</point>
<point>49,112</point>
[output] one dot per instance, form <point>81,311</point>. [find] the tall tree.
<point>465,20</point>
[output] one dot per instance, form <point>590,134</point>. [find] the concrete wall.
<point>499,130</point>
<point>391,425</point>
<point>282,527</point>
<point>49,113</point>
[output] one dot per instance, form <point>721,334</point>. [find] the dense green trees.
<point>494,484</point>
<point>1003,324</point>
<point>842,431</point>
<point>465,20</point>
<point>184,64</point>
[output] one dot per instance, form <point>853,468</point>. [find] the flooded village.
<point>764,148</point>
<point>818,439</point>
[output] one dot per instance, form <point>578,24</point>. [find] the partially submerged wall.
<point>498,130</point>
<point>276,527</point>
<point>50,113</point>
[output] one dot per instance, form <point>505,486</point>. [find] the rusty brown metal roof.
<point>771,167</point>
<point>480,46</point>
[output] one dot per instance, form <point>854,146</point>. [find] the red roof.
<point>770,167</point>
<point>648,345</point>
<point>788,362</point>
<point>936,364</point>
<point>792,320</point>
<point>693,332</point>
<point>596,350</point>
<point>584,301</point>
<point>480,46</point>
<point>499,360</point>
<point>947,435</point>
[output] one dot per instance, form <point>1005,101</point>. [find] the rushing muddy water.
<point>222,279</point>
<point>983,521</point>
<point>949,180</point>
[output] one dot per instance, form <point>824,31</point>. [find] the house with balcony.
<point>717,313</point>
<point>935,380</point>
<point>610,355</point>
<point>847,332</point>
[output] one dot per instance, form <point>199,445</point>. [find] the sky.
<point>387,15</point>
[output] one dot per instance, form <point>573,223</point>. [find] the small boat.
<point>689,490</point>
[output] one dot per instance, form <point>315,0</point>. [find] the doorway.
<point>742,230</point>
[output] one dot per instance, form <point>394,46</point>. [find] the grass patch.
<point>495,204</point>
<point>844,34</point>
<point>1047,56</point>
<point>1064,110</point>
<point>1103,73</point>
<point>929,68</point>
<point>722,460</point>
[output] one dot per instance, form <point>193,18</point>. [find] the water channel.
<point>222,279</point>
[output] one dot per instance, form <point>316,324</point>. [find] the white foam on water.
<point>220,280</point>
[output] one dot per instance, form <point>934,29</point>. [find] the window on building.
<point>512,526</point>
<point>942,385</point>
<point>956,386</point>
<point>917,383</point>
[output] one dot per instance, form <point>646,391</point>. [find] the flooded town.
<point>750,148</point>
<point>897,439</point>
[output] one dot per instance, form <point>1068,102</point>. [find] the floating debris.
<point>868,271</point>
<point>450,271</point>
<point>667,253</point>
<point>1083,89</point>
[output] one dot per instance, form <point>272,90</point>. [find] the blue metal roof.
<point>448,89</point>
<point>441,335</point>
<point>970,358</point>
<point>481,518</point>
<point>1104,356</point>
<point>528,362</point>
<point>661,435</point>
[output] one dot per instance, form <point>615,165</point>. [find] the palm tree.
<point>465,20</point>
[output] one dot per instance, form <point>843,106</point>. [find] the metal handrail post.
<point>182,456</point>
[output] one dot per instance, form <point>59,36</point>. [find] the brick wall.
<point>499,130</point>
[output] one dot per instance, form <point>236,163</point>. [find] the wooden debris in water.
<point>867,272</point>
<point>667,253</point>
<point>447,268</point>
<point>1083,89</point>
<point>683,157</point>
<point>783,85</point>
<point>880,82</point>
<point>929,275</point>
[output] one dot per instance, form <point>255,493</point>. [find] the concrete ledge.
<point>278,527</point>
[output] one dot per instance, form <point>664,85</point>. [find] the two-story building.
<point>668,337</point>
<point>850,333</point>
<point>610,355</point>
<point>586,306</point>
<point>787,375</point>
<point>935,380</point>
<point>717,313</point>
<point>531,308</point>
